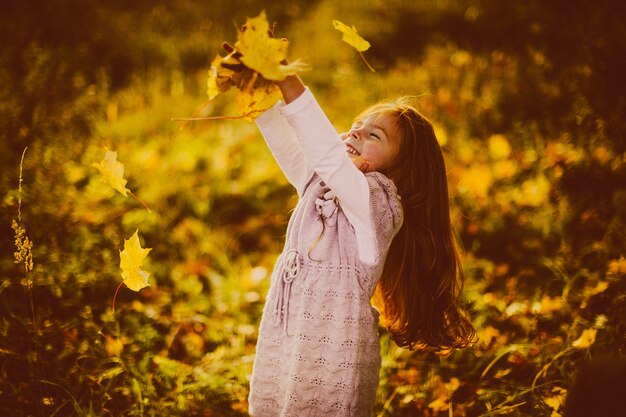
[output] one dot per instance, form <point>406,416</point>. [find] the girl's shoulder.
<point>384,197</point>
<point>377,180</point>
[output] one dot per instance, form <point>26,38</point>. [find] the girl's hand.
<point>359,162</point>
<point>291,87</point>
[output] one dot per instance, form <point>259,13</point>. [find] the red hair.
<point>419,293</point>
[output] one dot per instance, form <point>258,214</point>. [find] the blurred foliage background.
<point>528,101</point>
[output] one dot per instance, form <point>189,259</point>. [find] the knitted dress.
<point>318,351</point>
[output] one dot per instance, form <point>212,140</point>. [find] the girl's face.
<point>373,143</point>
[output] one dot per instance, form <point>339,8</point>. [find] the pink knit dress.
<point>318,351</point>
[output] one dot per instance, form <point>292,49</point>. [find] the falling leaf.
<point>131,260</point>
<point>586,339</point>
<point>351,37</point>
<point>264,54</point>
<point>112,172</point>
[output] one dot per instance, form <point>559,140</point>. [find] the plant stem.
<point>366,63</point>
<point>140,201</point>
<point>115,296</point>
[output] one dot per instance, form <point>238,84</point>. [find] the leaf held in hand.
<point>251,65</point>
<point>131,260</point>
<point>223,77</point>
<point>257,97</point>
<point>112,172</point>
<point>264,54</point>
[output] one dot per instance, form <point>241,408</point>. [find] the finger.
<point>234,67</point>
<point>227,47</point>
<point>231,50</point>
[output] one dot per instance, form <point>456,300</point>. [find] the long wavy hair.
<point>419,293</point>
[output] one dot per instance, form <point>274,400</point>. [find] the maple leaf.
<point>112,172</point>
<point>251,66</point>
<point>131,260</point>
<point>258,96</point>
<point>213,89</point>
<point>264,54</point>
<point>352,38</point>
<point>223,76</point>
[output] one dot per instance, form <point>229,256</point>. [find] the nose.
<point>354,133</point>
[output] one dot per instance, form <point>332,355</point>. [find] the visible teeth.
<point>352,151</point>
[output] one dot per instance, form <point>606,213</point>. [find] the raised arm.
<point>328,157</point>
<point>282,142</point>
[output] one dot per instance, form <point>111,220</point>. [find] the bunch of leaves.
<point>252,66</point>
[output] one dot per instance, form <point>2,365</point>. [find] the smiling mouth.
<point>351,150</point>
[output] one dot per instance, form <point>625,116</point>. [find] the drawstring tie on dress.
<point>289,271</point>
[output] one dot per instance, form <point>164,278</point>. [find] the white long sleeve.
<point>327,155</point>
<point>285,147</point>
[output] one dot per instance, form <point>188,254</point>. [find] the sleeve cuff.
<point>298,104</point>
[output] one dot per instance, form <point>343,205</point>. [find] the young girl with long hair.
<point>373,213</point>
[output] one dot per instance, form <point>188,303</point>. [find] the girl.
<point>372,211</point>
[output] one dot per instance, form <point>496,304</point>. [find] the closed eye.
<point>375,135</point>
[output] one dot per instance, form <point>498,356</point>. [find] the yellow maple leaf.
<point>112,172</point>
<point>258,96</point>
<point>212,88</point>
<point>351,37</point>
<point>264,54</point>
<point>222,77</point>
<point>586,339</point>
<point>131,260</point>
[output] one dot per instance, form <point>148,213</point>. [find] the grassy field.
<point>526,100</point>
